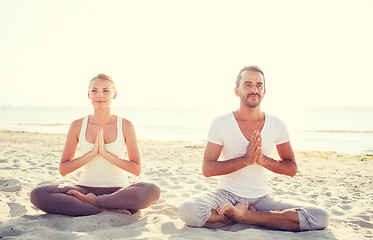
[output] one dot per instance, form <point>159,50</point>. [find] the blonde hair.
<point>105,77</point>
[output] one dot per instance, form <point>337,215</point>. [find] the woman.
<point>103,183</point>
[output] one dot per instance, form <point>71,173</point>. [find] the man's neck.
<point>250,114</point>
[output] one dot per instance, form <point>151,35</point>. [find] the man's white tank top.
<point>99,172</point>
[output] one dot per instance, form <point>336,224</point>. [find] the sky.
<point>169,53</point>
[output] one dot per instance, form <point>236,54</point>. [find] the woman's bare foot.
<point>124,211</point>
<point>89,197</point>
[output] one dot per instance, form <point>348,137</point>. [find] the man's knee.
<point>190,215</point>
<point>313,218</point>
<point>323,220</point>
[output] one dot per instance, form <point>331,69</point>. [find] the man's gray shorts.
<point>197,209</point>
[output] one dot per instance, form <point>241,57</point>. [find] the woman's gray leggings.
<point>53,198</point>
<point>197,210</point>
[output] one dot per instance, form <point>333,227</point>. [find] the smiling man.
<point>238,152</point>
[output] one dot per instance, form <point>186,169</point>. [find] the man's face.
<point>251,89</point>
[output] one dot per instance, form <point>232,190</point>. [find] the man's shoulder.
<point>274,121</point>
<point>273,117</point>
<point>223,118</point>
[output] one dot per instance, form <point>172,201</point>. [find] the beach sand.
<point>340,183</point>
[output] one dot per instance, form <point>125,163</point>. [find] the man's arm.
<point>287,165</point>
<point>212,167</point>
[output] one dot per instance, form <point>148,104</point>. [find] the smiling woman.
<point>102,92</point>
<point>103,183</point>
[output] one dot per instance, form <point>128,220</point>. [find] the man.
<point>245,139</point>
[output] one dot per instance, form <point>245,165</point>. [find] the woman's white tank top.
<point>99,172</point>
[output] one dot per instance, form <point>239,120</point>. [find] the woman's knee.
<point>38,195</point>
<point>154,191</point>
<point>147,194</point>
<point>151,190</point>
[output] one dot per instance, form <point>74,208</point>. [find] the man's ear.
<point>236,91</point>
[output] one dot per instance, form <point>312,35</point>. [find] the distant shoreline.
<point>347,130</point>
<point>200,144</point>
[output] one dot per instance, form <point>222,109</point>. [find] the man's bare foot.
<point>217,221</point>
<point>89,198</point>
<point>239,212</point>
<point>124,211</point>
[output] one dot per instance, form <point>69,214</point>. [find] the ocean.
<point>340,129</point>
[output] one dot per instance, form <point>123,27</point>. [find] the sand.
<point>340,183</point>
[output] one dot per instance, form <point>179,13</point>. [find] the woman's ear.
<point>115,95</point>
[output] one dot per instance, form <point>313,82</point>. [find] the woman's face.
<point>101,92</point>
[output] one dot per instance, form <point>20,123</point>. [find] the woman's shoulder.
<point>77,122</point>
<point>125,122</point>
<point>127,127</point>
<point>76,125</point>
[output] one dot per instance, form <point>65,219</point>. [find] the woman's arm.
<point>68,163</point>
<point>133,164</point>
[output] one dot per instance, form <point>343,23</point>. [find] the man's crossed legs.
<point>220,208</point>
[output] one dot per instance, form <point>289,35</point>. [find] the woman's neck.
<point>102,117</point>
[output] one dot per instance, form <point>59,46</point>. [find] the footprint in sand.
<point>186,195</point>
<point>363,224</point>
<point>31,163</point>
<point>337,213</point>
<point>364,217</point>
<point>45,183</point>
<point>52,168</point>
<point>169,195</point>
<point>9,185</point>
<point>346,207</point>
<point>172,212</point>
<point>190,182</point>
<point>198,186</point>
<point>16,209</point>
<point>163,183</point>
<point>168,228</point>
<point>164,170</point>
<point>157,207</point>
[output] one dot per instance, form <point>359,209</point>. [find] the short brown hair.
<point>103,76</point>
<point>253,68</point>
